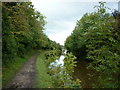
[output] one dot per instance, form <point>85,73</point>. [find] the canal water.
<point>60,60</point>
<point>86,76</point>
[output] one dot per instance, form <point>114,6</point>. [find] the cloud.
<point>61,15</point>
<point>57,26</point>
<point>60,37</point>
<point>61,32</point>
<point>49,1</point>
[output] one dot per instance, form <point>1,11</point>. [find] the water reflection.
<point>58,61</point>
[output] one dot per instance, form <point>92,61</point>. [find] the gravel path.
<point>25,78</point>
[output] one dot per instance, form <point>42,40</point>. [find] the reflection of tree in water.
<point>61,70</point>
<point>87,76</point>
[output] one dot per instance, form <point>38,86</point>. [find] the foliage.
<point>44,80</point>
<point>51,56</point>
<point>96,38</point>
<point>23,30</point>
<point>62,75</point>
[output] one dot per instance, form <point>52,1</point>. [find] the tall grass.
<point>44,80</point>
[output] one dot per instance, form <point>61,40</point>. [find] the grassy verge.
<point>44,80</point>
<point>9,72</point>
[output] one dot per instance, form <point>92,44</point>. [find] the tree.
<point>96,38</point>
<point>23,30</point>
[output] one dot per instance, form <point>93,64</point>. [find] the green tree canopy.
<point>96,38</point>
<point>23,30</point>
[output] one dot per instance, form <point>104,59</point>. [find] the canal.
<point>86,76</point>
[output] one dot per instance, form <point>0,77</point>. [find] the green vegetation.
<point>22,32</point>
<point>44,80</point>
<point>55,76</point>
<point>97,39</point>
<point>62,75</point>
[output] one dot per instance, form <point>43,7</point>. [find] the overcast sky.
<point>61,15</point>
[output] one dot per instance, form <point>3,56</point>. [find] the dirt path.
<point>25,78</point>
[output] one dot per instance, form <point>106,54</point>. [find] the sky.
<point>62,15</point>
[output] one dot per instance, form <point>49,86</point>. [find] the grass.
<point>44,80</point>
<point>9,72</point>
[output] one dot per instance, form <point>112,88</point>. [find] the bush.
<point>95,38</point>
